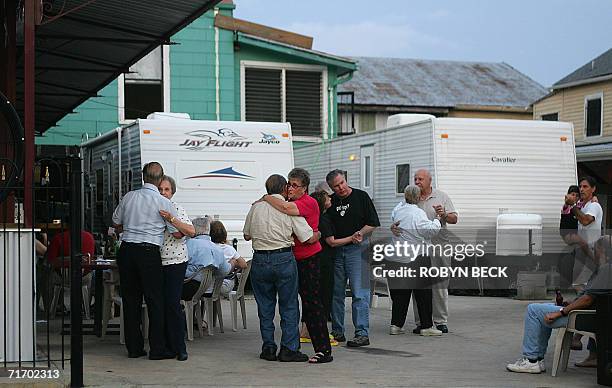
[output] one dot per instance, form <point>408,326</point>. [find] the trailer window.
<point>402,177</point>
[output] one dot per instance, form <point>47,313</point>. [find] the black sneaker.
<point>442,328</point>
<point>417,330</point>
<point>360,340</point>
<point>339,337</point>
<point>286,355</point>
<point>268,354</point>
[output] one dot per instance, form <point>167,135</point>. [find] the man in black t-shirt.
<point>354,217</point>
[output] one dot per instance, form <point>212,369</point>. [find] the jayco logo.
<point>342,209</point>
<point>269,139</point>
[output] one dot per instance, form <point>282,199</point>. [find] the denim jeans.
<point>275,274</point>
<point>350,264</point>
<point>537,332</point>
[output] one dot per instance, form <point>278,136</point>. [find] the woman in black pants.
<point>174,265</point>
<point>417,231</point>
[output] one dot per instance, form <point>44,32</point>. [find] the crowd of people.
<point>308,246</point>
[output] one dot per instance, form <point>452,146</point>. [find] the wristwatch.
<point>563,313</point>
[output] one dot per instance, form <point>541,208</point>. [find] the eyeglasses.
<point>293,185</point>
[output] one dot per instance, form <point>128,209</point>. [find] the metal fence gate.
<point>40,268</point>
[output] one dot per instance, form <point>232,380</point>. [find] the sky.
<point>544,39</point>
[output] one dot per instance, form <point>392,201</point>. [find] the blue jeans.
<point>350,264</point>
<point>537,332</point>
<point>271,275</point>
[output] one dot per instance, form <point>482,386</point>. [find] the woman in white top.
<point>416,230</point>
<point>174,263</point>
<point>218,235</point>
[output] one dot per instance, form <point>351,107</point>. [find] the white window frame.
<point>165,88</point>
<point>588,98</point>
<point>283,67</point>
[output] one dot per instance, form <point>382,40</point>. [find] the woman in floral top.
<point>174,263</point>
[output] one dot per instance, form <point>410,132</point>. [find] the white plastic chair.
<point>212,307</point>
<point>62,287</point>
<point>111,297</point>
<point>193,305</point>
<point>373,295</point>
<point>238,295</point>
<point>564,339</point>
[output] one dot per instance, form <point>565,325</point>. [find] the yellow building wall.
<point>569,103</point>
<point>477,114</point>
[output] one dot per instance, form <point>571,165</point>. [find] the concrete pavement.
<point>485,335</point>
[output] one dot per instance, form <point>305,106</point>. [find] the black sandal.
<point>320,358</point>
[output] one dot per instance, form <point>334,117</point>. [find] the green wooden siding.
<point>96,115</point>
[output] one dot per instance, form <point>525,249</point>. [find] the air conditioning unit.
<point>518,235</point>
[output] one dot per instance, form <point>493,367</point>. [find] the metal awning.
<point>81,46</point>
<point>585,153</point>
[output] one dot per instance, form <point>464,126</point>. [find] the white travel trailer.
<point>220,167</point>
<point>487,167</point>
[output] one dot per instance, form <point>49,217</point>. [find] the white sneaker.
<point>395,330</point>
<point>432,331</point>
<point>523,365</point>
<point>542,366</point>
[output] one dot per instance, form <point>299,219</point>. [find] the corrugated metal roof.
<point>87,47</point>
<point>598,67</point>
<point>430,83</point>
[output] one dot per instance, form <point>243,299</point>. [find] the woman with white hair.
<point>416,230</point>
<point>174,263</point>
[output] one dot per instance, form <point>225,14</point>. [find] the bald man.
<point>435,203</point>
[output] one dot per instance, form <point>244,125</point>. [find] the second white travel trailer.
<point>220,167</point>
<point>487,167</point>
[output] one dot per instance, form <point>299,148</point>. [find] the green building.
<point>220,68</point>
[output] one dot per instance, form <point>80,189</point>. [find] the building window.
<point>276,92</point>
<point>550,117</point>
<point>145,89</point>
<point>402,177</point>
<point>593,114</point>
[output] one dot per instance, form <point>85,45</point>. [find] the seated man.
<point>58,257</point>
<point>202,253</point>
<point>60,248</point>
<point>541,318</point>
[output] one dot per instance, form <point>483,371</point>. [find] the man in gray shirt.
<point>139,262</point>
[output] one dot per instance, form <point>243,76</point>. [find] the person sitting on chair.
<point>541,318</point>
<point>202,253</point>
<point>218,235</point>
